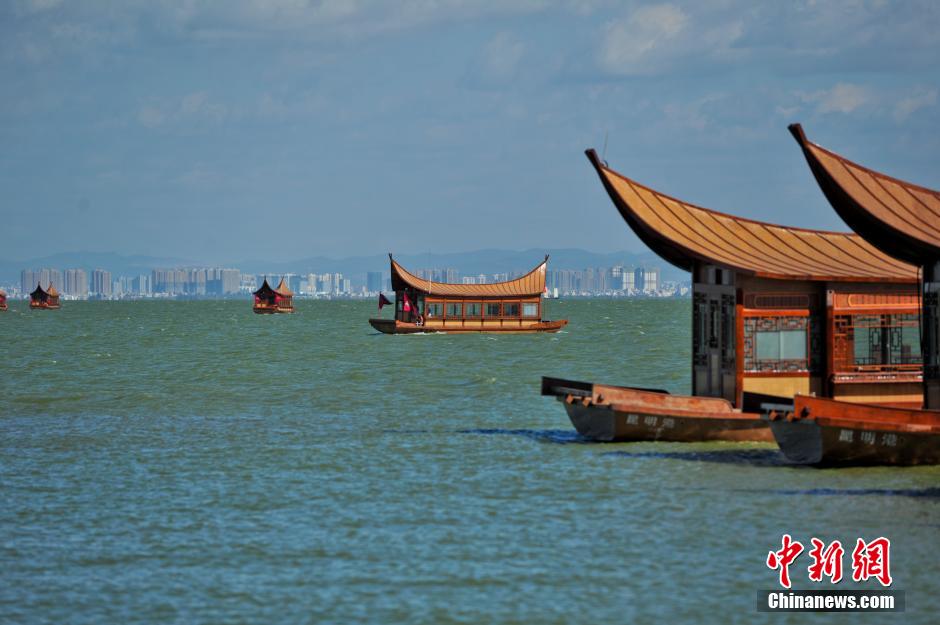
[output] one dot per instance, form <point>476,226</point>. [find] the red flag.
<point>407,306</point>
<point>383,301</point>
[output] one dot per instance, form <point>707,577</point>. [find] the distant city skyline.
<point>224,131</point>
<point>73,283</point>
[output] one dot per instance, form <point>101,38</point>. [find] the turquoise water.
<point>191,462</point>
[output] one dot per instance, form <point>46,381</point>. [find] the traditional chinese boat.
<point>514,306</point>
<point>774,310</point>
<point>3,300</point>
<point>273,301</point>
<point>44,298</point>
<point>902,220</point>
<point>820,431</point>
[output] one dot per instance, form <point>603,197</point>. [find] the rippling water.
<point>191,462</point>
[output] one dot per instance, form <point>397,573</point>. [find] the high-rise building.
<point>141,285</point>
<point>101,283</point>
<point>374,281</point>
<point>646,279</point>
<point>75,283</point>
<point>628,280</point>
<point>325,283</point>
<point>31,278</point>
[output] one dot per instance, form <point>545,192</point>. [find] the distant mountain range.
<point>467,263</point>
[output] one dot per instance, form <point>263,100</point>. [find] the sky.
<point>283,129</point>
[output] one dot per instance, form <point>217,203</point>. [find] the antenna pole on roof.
<point>604,151</point>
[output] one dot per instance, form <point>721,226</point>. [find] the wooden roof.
<point>901,218</point>
<point>532,283</point>
<point>684,233</point>
<point>264,289</point>
<point>282,289</point>
<point>51,291</point>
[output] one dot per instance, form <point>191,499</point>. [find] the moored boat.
<point>44,299</point>
<point>608,413</point>
<point>774,313</point>
<point>828,432</point>
<point>509,307</point>
<point>3,300</point>
<point>903,220</point>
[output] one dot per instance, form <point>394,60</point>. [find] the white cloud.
<point>150,116</point>
<point>501,56</point>
<point>922,98</point>
<point>196,105</point>
<point>842,98</point>
<point>630,43</point>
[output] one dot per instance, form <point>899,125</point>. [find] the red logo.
<point>826,562</point>
<point>784,558</point>
<point>869,560</point>
<point>872,560</point>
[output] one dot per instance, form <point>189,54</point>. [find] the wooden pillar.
<point>930,323</point>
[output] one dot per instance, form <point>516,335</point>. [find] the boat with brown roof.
<point>510,307</point>
<point>774,309</point>
<point>901,219</point>
<point>273,301</point>
<point>44,299</point>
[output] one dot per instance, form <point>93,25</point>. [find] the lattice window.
<point>781,344</point>
<point>877,343</point>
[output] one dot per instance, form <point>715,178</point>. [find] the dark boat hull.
<point>266,310</point>
<point>616,413</point>
<point>393,326</point>
<point>826,432</point>
<point>606,424</point>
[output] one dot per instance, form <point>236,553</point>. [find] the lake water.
<point>191,462</point>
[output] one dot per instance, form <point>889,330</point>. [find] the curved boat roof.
<point>283,289</point>
<point>51,291</point>
<point>532,283</point>
<point>264,288</point>
<point>898,217</point>
<point>684,233</point>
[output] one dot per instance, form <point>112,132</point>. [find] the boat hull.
<point>616,413</point>
<point>826,432</point>
<point>35,306</point>
<point>393,326</point>
<point>270,310</point>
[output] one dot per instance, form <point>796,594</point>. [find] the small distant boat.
<point>3,300</point>
<point>607,413</point>
<point>44,298</point>
<point>829,432</point>
<point>512,307</point>
<point>272,301</point>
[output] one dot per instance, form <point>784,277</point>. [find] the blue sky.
<point>218,131</point>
